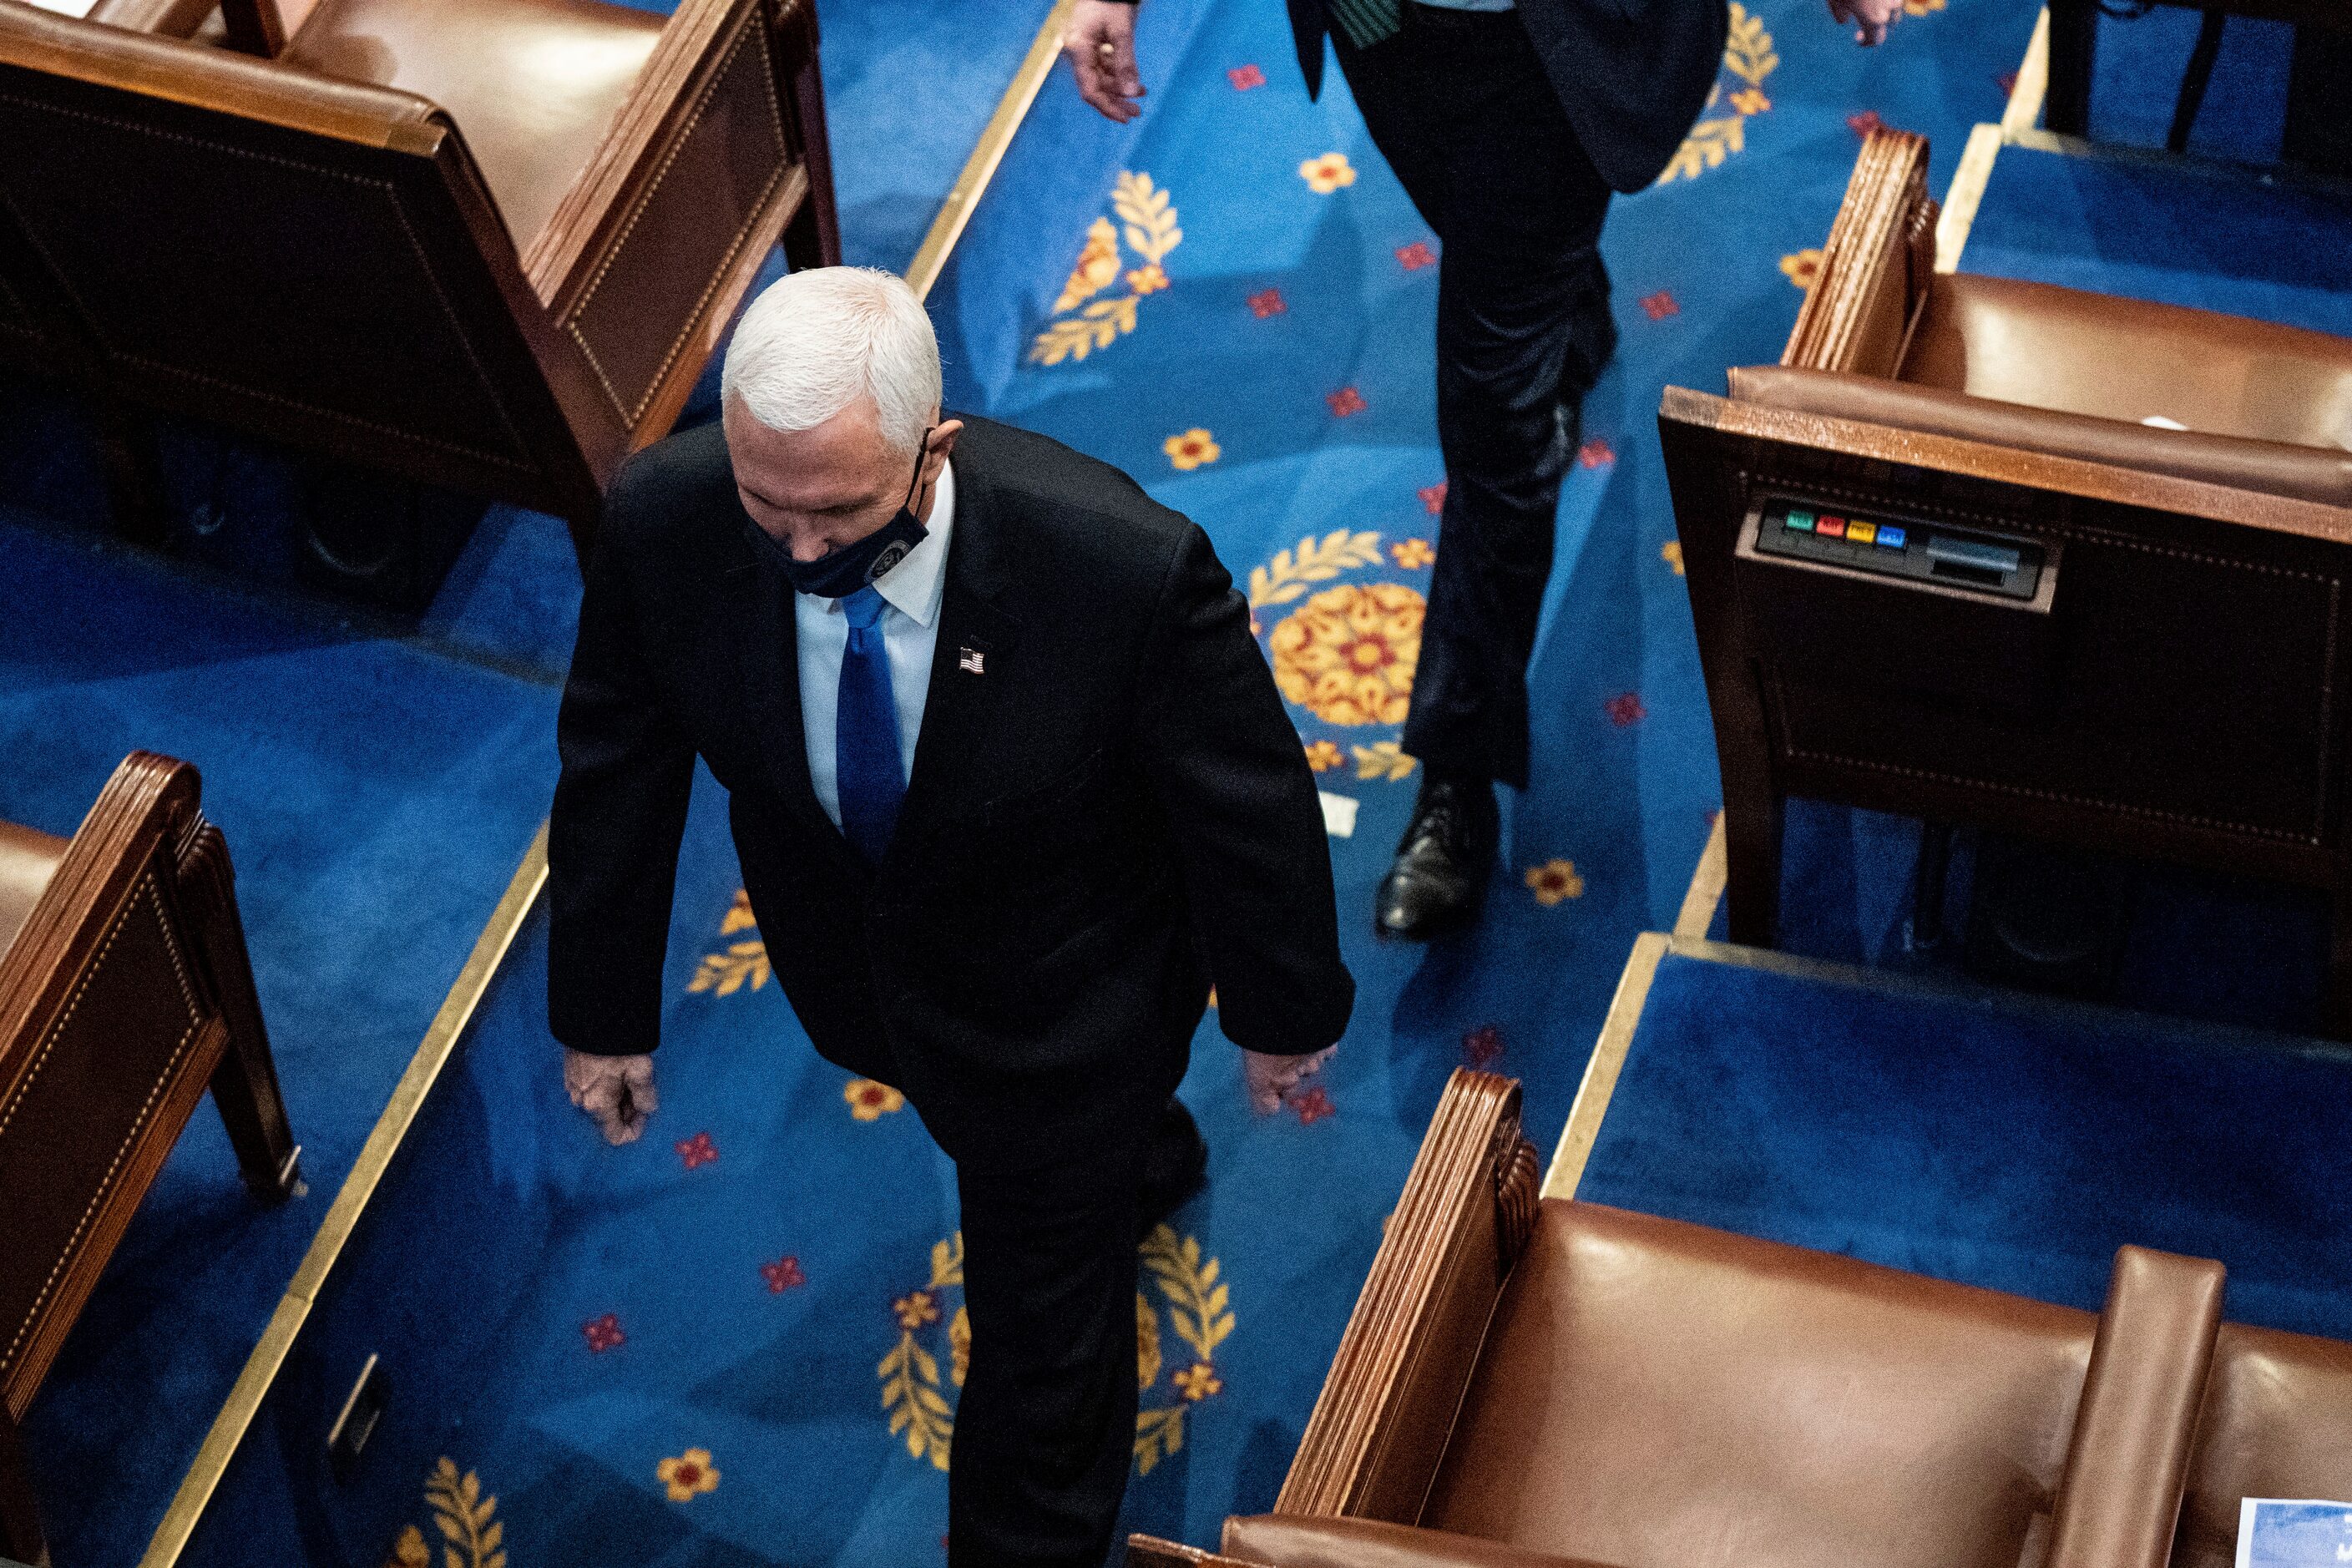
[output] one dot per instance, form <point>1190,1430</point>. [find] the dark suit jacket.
<point>1633,74</point>
<point>1113,813</point>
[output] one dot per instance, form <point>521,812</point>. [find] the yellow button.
<point>1861,532</point>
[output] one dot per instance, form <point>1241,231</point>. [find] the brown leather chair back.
<point>1648,1394</point>
<point>2277,1422</point>
<point>2273,467</point>
<point>1653,1394</point>
<point>2115,358</point>
<point>229,238</point>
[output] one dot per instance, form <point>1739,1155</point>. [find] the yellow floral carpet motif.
<point>915,1400</point>
<point>1347,653</point>
<point>1083,322</point>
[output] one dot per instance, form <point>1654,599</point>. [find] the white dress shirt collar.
<point>916,585</point>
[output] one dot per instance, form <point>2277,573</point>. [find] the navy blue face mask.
<point>837,573</point>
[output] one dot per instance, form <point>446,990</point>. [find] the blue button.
<point>1890,538</point>
<point>1799,519</point>
<point>1969,552</point>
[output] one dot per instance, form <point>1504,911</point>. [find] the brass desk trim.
<point>433,1053</point>
<point>2018,118</point>
<point>995,139</point>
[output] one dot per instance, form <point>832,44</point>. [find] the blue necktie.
<point>867,769</point>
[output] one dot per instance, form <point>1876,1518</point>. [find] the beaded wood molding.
<point>1466,1214</point>
<point>1876,264</point>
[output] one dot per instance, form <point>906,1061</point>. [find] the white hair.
<point>814,342</point>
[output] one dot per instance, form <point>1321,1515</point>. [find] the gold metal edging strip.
<point>432,1053</point>
<point>1705,890</point>
<point>931,258</point>
<point>1985,142</point>
<point>1608,1058</point>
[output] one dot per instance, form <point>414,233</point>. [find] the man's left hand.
<point>1271,1079</point>
<point>1870,18</point>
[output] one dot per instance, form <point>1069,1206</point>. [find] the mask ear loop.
<point>915,480</point>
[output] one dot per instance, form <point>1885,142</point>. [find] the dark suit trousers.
<point>1460,106</point>
<point>1045,1426</point>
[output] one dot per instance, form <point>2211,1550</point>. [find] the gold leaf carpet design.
<point>1200,1317</point>
<point>471,1534</point>
<point>1083,322</point>
<point>1748,59</point>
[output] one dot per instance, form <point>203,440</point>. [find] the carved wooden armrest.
<point>1372,1445</point>
<point>1876,265</point>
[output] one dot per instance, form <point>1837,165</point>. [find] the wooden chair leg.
<point>20,1516</point>
<point>804,244</point>
<point>132,462</point>
<point>813,238</point>
<point>2074,43</point>
<point>1751,844</point>
<point>2336,1008</point>
<point>244,1084</point>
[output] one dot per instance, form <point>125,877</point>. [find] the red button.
<point>1830,527</point>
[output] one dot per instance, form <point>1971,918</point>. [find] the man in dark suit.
<point>1508,122</point>
<point>1012,786</point>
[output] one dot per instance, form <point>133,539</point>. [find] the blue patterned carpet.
<point>1999,1140</point>
<point>736,1342</point>
<point>375,795</point>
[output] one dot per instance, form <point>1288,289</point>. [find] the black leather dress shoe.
<point>1440,874</point>
<point>1176,1166</point>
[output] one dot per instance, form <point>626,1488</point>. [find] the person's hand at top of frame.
<point>1870,18</point>
<point>1101,46</point>
<point>618,1091</point>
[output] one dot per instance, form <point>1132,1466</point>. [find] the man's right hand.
<point>618,1091</point>
<point>1101,46</point>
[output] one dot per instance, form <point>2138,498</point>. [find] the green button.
<point>1800,520</point>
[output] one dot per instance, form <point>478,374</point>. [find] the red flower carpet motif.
<point>1661,305</point>
<point>1344,401</point>
<point>1433,497</point>
<point>1313,1105</point>
<point>1245,78</point>
<point>2007,82</point>
<point>783,1275</point>
<point>1625,708</point>
<point>1267,302</point>
<point>1864,123</point>
<point>1482,1046</point>
<point>1596,453</point>
<point>1416,256</point>
<point>604,1333</point>
<point>697,1150</point>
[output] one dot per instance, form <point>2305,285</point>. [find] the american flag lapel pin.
<point>971,661</point>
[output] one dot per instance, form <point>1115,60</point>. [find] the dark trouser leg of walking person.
<point>1046,1428</point>
<point>1460,106</point>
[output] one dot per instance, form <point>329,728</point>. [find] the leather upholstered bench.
<point>1559,1385</point>
<point>124,992</point>
<point>487,246</point>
